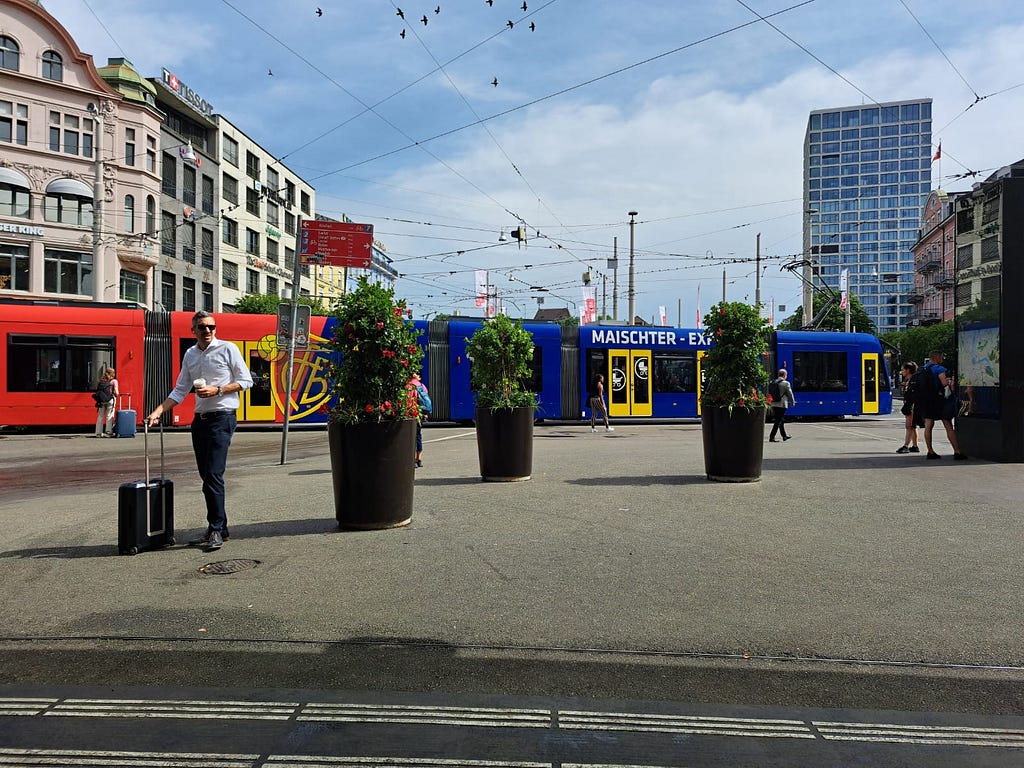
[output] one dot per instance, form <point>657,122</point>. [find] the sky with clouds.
<point>691,113</point>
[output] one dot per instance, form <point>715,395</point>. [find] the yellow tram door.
<point>256,403</point>
<point>629,382</point>
<point>700,376</point>
<point>869,376</point>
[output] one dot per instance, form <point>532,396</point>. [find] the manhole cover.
<point>228,566</point>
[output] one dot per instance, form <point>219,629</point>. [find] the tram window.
<point>675,372</point>
<point>597,362</point>
<point>536,380</point>
<point>820,372</point>
<point>57,363</point>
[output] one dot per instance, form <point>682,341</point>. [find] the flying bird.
<point>319,12</point>
<point>438,9</point>
<point>509,24</point>
<point>402,34</point>
<point>490,3</point>
<point>424,20</point>
<point>524,5</point>
<point>494,82</point>
<point>270,72</point>
<point>399,14</point>
<point>532,26</point>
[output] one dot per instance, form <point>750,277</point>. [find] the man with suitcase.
<point>215,370</point>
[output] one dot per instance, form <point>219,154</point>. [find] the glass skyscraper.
<point>867,174</point>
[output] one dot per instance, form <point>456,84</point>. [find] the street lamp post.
<point>632,292</point>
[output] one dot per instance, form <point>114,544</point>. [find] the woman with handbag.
<point>106,400</point>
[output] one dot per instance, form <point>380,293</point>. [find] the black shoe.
<point>932,456</point>
<point>216,541</point>
<point>772,440</point>
<point>903,449</point>
<point>786,437</point>
<point>915,449</point>
<point>419,462</point>
<point>204,540</point>
<point>960,456</point>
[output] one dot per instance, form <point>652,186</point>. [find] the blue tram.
<point>655,372</point>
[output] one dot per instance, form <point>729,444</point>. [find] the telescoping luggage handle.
<point>145,450</point>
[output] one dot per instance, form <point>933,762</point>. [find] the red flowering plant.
<point>735,376</point>
<point>376,354</point>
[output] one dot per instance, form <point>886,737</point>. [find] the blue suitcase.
<point>125,421</point>
<point>145,510</point>
<point>124,425</point>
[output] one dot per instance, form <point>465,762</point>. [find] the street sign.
<point>336,244</point>
<point>284,324</point>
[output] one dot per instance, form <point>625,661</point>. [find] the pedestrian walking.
<point>911,419</point>
<point>939,405</point>
<point>216,372</point>
<point>425,409</point>
<point>106,395</point>
<point>597,404</point>
<point>781,393</point>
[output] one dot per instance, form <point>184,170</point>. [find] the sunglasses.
<point>210,328</point>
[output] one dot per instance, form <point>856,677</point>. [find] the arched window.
<point>53,66</point>
<point>150,216</point>
<point>129,213</point>
<point>9,53</point>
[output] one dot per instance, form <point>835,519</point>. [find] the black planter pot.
<point>373,469</point>
<point>504,442</point>
<point>733,444</point>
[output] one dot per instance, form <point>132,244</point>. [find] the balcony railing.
<point>929,264</point>
<point>915,297</point>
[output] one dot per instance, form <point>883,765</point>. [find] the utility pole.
<point>723,285</point>
<point>604,296</point>
<point>296,277</point>
<point>757,277</point>
<point>632,292</point>
<point>615,279</point>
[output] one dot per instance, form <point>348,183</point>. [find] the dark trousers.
<point>211,438</point>
<point>779,414</point>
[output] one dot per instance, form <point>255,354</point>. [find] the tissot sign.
<point>186,94</point>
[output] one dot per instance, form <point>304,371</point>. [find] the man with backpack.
<point>781,393</point>
<point>939,404</point>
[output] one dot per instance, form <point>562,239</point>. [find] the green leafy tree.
<point>266,304</point>
<point>377,354</point>
<point>500,352</point>
<point>736,377</point>
<point>835,320</point>
<point>915,344</point>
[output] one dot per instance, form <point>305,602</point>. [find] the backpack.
<point>104,393</point>
<point>775,391</point>
<point>926,387</point>
<point>425,405</point>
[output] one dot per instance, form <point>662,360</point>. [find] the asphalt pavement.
<point>850,585</point>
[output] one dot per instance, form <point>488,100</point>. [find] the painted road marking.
<point>475,716</point>
<point>706,726</point>
<point>494,717</point>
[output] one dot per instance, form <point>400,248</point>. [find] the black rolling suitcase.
<point>145,509</point>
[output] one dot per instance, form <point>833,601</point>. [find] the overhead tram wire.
<point>970,87</point>
<point>564,91</point>
<point>104,27</point>
<point>418,80</point>
<point>366,106</point>
<point>487,129</point>
<point>372,109</point>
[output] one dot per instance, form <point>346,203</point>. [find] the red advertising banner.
<point>336,244</point>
